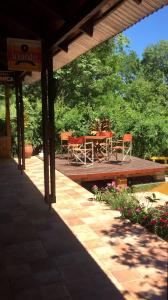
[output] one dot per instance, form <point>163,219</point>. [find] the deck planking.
<point>107,170</point>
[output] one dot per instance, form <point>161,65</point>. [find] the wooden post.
<point>22,124</point>
<point>51,97</point>
<point>7,95</point>
<point>45,124</point>
<point>18,122</point>
<point>8,127</point>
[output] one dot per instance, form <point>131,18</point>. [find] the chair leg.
<point>61,150</point>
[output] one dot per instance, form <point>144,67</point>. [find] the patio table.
<point>96,139</point>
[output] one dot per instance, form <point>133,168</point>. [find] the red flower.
<point>153,222</point>
<point>145,217</point>
<point>138,209</point>
<point>165,213</point>
<point>163,220</point>
<point>129,213</point>
<point>161,227</point>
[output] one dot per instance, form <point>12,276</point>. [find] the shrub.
<point>154,219</point>
<point>117,197</point>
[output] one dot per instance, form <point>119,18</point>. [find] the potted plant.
<point>28,142</point>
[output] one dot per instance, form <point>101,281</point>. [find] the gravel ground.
<point>142,198</point>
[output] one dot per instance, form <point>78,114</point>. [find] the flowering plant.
<point>121,198</point>
<point>153,218</point>
<point>116,196</point>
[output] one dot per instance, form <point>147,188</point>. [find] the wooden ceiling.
<point>69,27</point>
<point>48,20</point>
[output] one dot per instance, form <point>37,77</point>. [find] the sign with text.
<point>23,55</point>
<point>6,76</point>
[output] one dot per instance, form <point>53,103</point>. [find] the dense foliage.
<point>111,81</point>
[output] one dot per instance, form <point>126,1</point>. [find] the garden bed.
<point>151,215</point>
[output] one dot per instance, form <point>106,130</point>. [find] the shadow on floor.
<point>144,252</point>
<point>40,258</point>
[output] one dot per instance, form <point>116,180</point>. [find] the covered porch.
<point>78,250</point>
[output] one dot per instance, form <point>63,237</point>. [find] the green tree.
<point>155,61</point>
<point>111,81</point>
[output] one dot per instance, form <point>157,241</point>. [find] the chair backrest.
<point>76,140</point>
<point>65,135</point>
<point>107,134</point>
<point>127,137</point>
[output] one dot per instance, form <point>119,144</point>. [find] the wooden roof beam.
<point>88,29</point>
<point>76,23</point>
<point>63,46</point>
<point>138,1</point>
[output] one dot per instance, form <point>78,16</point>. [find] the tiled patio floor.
<point>79,251</point>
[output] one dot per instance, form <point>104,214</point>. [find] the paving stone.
<point>30,294</point>
<point>22,283</point>
<point>55,291</point>
<point>24,252</point>
<point>5,292</point>
<point>126,275</point>
<point>18,271</point>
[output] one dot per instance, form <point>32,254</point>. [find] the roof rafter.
<point>77,22</point>
<point>138,1</point>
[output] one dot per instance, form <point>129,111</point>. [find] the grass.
<point>145,187</point>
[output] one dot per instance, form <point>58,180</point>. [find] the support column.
<point>22,124</point>
<point>8,126</point>
<point>7,95</point>
<point>51,97</point>
<point>45,124</point>
<point>18,122</point>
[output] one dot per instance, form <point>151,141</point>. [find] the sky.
<point>148,31</point>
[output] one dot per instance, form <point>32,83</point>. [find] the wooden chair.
<point>80,151</point>
<point>105,147</point>
<point>123,146</point>
<point>64,141</point>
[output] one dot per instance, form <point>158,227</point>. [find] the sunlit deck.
<point>137,167</point>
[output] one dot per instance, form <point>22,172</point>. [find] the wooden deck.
<point>137,167</point>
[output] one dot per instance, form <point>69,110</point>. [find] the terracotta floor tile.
<point>91,244</point>
<point>87,204</point>
<point>24,252</point>
<point>55,291</point>
<point>82,228</point>
<point>104,252</point>
<point>148,271</point>
<point>112,265</point>
<point>5,292</point>
<point>86,236</point>
<point>22,283</point>
<point>29,294</point>
<point>140,289</point>
<point>17,271</point>
<point>127,275</point>
<point>89,220</point>
<point>74,221</point>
